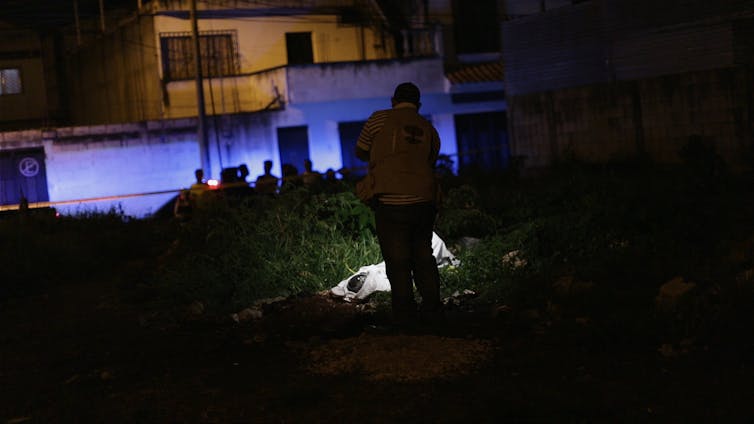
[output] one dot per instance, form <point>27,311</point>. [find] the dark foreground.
<point>100,353</point>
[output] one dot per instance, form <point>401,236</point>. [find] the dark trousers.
<point>405,236</point>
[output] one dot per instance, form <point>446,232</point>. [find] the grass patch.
<point>42,250</point>
<point>230,255</point>
<point>594,240</point>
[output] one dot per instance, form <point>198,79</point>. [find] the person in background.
<point>331,184</point>
<point>310,178</point>
<point>182,207</point>
<point>267,183</point>
<point>229,176</point>
<point>402,148</point>
<point>243,173</point>
<point>234,183</point>
<point>199,186</point>
<point>291,179</point>
<point>188,199</point>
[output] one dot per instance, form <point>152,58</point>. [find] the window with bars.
<point>218,54</point>
<point>10,81</point>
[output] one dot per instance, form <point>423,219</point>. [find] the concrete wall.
<point>355,80</point>
<point>655,115</point>
<point>606,40</point>
<point>161,155</point>
<point>612,78</point>
<point>113,161</point>
<point>115,79</point>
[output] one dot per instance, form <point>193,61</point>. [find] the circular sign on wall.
<point>28,167</point>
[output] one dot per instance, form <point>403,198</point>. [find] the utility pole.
<point>78,26</point>
<point>102,16</point>
<point>201,114</point>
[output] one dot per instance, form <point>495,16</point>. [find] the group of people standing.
<point>268,183</point>
<point>233,180</point>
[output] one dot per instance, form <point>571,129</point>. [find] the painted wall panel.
<point>661,52</point>
<point>656,115</point>
<point>31,103</point>
<point>601,41</point>
<point>82,170</point>
<point>561,48</point>
<point>116,79</point>
<point>362,80</point>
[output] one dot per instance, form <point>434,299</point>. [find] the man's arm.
<point>371,128</point>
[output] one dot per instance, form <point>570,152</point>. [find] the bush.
<point>296,242</point>
<point>461,215</point>
<point>497,269</point>
<point>623,230</point>
<point>38,251</point>
<point>626,230</point>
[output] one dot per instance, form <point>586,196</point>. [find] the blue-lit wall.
<point>124,162</point>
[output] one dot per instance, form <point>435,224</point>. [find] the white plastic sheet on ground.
<point>375,278</point>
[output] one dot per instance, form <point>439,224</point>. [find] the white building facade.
<point>283,84</point>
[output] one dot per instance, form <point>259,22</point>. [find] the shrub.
<point>229,256</point>
<point>461,215</point>
<point>623,230</point>
<point>39,251</point>
<point>498,269</point>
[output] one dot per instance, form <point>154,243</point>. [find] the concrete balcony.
<point>313,83</point>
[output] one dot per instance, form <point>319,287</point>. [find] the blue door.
<point>349,133</point>
<point>293,143</point>
<point>22,174</point>
<point>482,142</point>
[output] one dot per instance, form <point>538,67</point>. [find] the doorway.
<point>349,133</point>
<point>293,143</point>
<point>482,142</point>
<point>23,174</point>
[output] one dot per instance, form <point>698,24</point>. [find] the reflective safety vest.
<point>403,155</point>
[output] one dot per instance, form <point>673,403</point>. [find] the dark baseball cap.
<point>407,92</point>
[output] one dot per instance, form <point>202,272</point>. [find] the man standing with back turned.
<point>401,148</point>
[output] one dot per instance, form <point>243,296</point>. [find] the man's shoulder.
<point>380,114</point>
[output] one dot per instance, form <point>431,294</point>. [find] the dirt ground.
<point>97,352</point>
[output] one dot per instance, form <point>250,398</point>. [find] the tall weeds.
<point>230,255</point>
<point>625,230</point>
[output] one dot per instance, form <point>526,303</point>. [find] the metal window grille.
<point>10,81</point>
<point>218,50</point>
